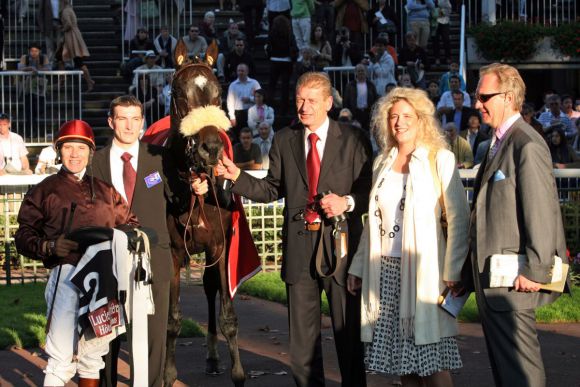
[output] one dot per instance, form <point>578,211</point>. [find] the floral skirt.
<point>394,354</point>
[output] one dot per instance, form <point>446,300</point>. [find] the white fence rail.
<point>545,12</point>
<point>39,102</point>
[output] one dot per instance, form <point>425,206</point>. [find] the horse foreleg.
<point>173,325</point>
<point>210,287</point>
<point>229,326</point>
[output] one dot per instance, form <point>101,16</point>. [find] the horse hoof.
<point>212,368</point>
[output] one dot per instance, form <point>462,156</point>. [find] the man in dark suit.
<point>344,155</point>
<point>515,211</point>
<point>460,114</point>
<point>147,200</point>
<point>360,104</point>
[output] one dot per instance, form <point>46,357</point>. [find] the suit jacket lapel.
<point>141,168</point>
<point>297,145</point>
<point>106,164</point>
<point>331,150</point>
<point>493,164</point>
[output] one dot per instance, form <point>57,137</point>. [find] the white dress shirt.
<point>117,165</point>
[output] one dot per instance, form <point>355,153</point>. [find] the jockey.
<point>61,203</point>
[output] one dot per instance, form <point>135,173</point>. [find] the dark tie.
<point>129,176</point>
<point>494,148</point>
<point>313,169</point>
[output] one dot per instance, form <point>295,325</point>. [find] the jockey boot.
<point>88,382</point>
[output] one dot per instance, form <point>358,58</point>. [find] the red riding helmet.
<point>75,131</point>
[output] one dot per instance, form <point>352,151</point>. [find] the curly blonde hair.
<point>429,132</point>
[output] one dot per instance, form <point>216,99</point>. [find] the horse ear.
<point>180,57</point>
<point>211,53</point>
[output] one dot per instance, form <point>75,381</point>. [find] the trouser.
<point>442,34</point>
<point>252,18</point>
<point>62,338</point>
<point>301,29</point>
<point>325,17</point>
<point>422,29</point>
<point>282,71</point>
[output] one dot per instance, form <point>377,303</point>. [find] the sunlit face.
<point>361,73</point>
<point>126,124</point>
<point>403,123</point>
<point>4,127</point>
<point>493,112</point>
<point>75,156</point>
<point>406,80</point>
<point>312,106</point>
<point>242,72</point>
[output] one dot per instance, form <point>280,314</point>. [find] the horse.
<point>196,142</point>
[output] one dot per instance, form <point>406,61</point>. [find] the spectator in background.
<point>321,46</point>
<point>33,94</point>
<point>418,15</point>
<point>247,155</point>
<point>149,98</point>
<point>360,95</point>
<point>234,6</point>
<point>253,11</point>
<point>301,14</point>
<point>48,22</point>
<point>459,114</point>
<point>264,141</point>
<point>391,86</point>
<point>472,133</point>
<point>324,11</point>
<point>568,109</point>
<point>307,64</point>
<point>46,162</point>
<point>383,19</point>
<point>528,113</point>
<point>138,46</point>
<point>446,101</point>
<point>227,42</point>
<point>442,32</point>
<point>352,15</point>
<point>239,54</point>
<point>260,112</point>
<point>156,80</point>
<point>165,99</point>
<point>555,114</point>
<point>434,92</point>
<point>382,67</point>
<point>207,28</point>
<point>406,81</point>
<point>196,44</point>
<point>73,47</point>
<point>240,98</point>
<point>345,52</point>
<point>481,152</point>
<point>282,51</point>
<point>165,46</point>
<point>13,152</point>
<point>414,58</point>
<point>453,71</point>
<point>390,49</point>
<point>459,146</point>
<point>563,155</point>
<point>275,8</point>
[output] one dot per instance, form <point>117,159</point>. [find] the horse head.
<point>195,111</point>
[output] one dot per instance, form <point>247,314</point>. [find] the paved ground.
<point>264,352</point>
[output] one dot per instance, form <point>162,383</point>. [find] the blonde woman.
<point>404,262</point>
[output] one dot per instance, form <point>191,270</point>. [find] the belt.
<point>312,226</point>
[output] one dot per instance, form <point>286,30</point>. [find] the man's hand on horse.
<point>333,205</point>
<point>63,246</point>
<point>228,169</point>
<point>199,186</point>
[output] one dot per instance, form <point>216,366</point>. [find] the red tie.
<point>313,169</point>
<point>129,176</point>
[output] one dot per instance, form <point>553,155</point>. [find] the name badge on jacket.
<point>152,179</point>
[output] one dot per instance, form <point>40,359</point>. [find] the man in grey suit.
<point>344,167</point>
<point>515,211</point>
<point>147,200</point>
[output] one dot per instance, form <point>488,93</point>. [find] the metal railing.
<point>39,102</point>
<point>265,221</point>
<point>545,12</point>
<point>175,14</point>
<point>340,76</point>
<point>153,89</point>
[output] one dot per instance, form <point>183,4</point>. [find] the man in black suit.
<point>344,169</point>
<point>472,133</point>
<point>148,202</point>
<point>360,104</point>
<point>459,114</point>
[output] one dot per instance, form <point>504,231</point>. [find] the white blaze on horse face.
<point>126,124</point>
<point>200,81</point>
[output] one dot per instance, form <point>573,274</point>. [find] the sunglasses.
<point>483,98</point>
